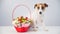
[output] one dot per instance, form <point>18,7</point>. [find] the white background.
<point>52,13</point>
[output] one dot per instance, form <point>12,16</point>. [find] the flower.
<point>22,22</point>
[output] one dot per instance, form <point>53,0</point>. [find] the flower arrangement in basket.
<point>21,24</point>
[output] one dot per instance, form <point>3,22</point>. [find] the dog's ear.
<point>35,5</point>
<point>46,5</point>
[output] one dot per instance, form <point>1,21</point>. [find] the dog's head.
<point>40,7</point>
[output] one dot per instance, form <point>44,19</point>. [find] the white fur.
<point>37,18</point>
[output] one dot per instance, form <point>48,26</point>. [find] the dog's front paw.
<point>45,29</point>
<point>35,30</point>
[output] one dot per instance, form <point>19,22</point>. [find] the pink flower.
<point>25,25</point>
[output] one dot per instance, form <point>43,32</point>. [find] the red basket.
<point>21,29</point>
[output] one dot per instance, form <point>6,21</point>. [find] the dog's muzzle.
<point>40,12</point>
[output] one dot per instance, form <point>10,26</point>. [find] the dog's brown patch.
<point>43,6</point>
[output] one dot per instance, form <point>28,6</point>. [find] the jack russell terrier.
<point>37,16</point>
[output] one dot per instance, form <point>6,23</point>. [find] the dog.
<point>37,16</point>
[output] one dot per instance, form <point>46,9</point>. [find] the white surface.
<point>11,30</point>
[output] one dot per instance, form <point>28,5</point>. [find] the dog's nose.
<point>40,12</point>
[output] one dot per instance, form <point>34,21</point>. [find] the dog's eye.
<point>42,8</point>
<point>38,8</point>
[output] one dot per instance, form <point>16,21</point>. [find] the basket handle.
<point>19,6</point>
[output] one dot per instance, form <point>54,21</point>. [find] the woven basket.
<point>21,29</point>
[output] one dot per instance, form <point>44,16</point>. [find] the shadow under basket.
<point>21,29</point>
